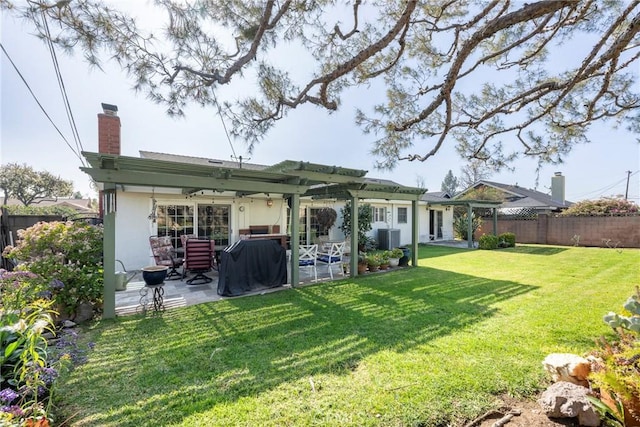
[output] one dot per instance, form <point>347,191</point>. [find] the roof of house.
<point>81,205</point>
<point>519,197</point>
<point>201,161</point>
<point>435,196</point>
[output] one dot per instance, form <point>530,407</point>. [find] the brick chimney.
<point>557,188</point>
<point>108,139</point>
<point>109,130</point>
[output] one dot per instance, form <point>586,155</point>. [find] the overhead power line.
<point>15,67</point>
<point>63,89</point>
<point>608,187</point>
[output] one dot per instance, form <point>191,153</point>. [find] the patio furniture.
<point>164,254</point>
<point>307,258</point>
<point>250,265</point>
<point>198,259</point>
<point>332,256</point>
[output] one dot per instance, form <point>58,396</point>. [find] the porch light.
<point>269,202</point>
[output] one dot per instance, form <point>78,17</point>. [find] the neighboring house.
<point>82,206</point>
<point>225,216</point>
<point>522,200</point>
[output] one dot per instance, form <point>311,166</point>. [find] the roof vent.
<point>109,109</point>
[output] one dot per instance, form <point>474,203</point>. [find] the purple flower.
<point>8,395</point>
<point>48,375</point>
<point>13,409</point>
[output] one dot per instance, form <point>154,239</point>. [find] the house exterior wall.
<point>133,229</point>
<point>133,226</point>
<point>620,231</point>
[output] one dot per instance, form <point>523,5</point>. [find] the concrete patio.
<point>177,293</point>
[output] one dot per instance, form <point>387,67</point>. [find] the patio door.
<point>214,223</point>
<point>310,229</point>
<point>173,221</point>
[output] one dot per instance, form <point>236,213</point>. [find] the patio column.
<point>295,239</point>
<point>109,251</point>
<point>469,226</point>
<point>353,261</point>
<point>415,226</point>
<point>495,221</point>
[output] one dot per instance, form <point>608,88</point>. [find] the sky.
<point>592,170</point>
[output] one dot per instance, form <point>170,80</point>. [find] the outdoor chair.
<point>164,254</point>
<point>333,256</point>
<point>198,259</point>
<point>308,255</point>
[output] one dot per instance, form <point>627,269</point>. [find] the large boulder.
<point>567,400</point>
<point>568,367</point>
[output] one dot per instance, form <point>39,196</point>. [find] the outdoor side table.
<point>156,298</point>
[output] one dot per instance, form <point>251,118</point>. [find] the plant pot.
<point>362,268</point>
<point>384,266</point>
<point>154,275</point>
<point>404,261</point>
<point>373,267</point>
<point>393,262</point>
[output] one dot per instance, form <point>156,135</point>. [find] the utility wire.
<point>63,90</point>
<point>39,104</point>
<point>215,99</point>
<point>600,191</point>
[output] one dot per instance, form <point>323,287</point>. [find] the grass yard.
<point>426,346</point>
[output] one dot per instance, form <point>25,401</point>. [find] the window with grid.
<point>402,215</point>
<point>174,220</point>
<point>379,214</point>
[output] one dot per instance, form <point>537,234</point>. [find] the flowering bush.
<point>69,255</point>
<point>603,206</point>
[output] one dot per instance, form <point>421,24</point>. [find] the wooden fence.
<point>605,231</point>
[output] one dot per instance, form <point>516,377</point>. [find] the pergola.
<point>470,204</point>
<point>290,178</point>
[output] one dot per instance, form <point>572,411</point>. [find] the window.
<point>402,215</point>
<point>379,214</point>
<point>174,220</point>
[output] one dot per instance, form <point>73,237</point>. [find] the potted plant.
<point>373,262</point>
<point>362,263</point>
<point>394,257</point>
<point>384,260</point>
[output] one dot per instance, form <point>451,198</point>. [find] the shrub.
<point>68,255</point>
<point>461,225</point>
<point>507,240</point>
<point>616,373</point>
<point>488,241</point>
<point>603,206</point>
<point>364,221</point>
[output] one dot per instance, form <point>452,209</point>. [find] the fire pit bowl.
<point>154,275</point>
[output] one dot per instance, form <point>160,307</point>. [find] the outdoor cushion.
<point>325,258</point>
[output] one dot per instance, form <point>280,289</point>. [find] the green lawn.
<point>425,346</point>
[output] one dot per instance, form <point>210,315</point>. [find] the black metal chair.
<point>164,254</point>
<point>198,259</point>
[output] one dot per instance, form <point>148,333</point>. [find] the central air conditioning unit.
<point>388,238</point>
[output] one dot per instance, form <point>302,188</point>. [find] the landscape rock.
<point>84,312</point>
<point>567,400</point>
<point>68,324</point>
<point>568,367</point>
